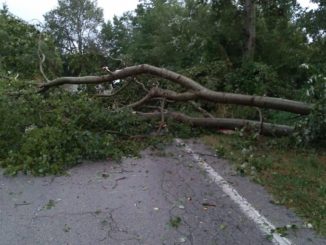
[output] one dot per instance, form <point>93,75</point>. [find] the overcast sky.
<point>35,9</point>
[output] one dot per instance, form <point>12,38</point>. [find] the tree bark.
<point>195,90</point>
<point>250,22</point>
<point>225,123</point>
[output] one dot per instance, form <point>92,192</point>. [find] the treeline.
<point>208,38</point>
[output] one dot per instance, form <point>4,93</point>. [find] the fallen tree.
<point>194,91</point>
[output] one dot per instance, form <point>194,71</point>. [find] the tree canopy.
<point>75,25</point>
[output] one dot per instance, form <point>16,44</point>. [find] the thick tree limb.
<point>123,73</point>
<point>227,123</point>
<point>198,91</point>
<point>229,98</point>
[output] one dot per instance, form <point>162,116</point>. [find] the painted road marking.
<point>264,225</point>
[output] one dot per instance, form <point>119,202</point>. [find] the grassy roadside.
<point>295,177</point>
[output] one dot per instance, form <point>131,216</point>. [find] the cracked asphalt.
<point>161,198</point>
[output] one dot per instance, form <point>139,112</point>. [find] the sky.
<point>30,10</point>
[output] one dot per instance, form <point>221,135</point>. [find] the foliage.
<point>116,36</point>
<point>315,20</point>
<point>152,34</point>
<point>175,222</point>
<point>74,27</point>
<point>46,135</point>
<point>211,75</point>
<point>255,78</point>
<point>74,24</point>
<point>170,33</point>
<point>19,48</point>
<point>312,129</point>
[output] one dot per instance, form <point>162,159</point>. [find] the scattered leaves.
<point>175,222</point>
<point>50,204</point>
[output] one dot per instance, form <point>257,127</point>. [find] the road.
<point>180,194</point>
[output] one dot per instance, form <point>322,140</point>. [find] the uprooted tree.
<point>191,91</point>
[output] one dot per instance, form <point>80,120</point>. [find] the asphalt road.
<point>164,197</point>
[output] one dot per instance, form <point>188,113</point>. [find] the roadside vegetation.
<point>257,67</point>
<point>296,176</point>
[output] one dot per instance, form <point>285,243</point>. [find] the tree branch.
<point>123,73</point>
<point>227,123</point>
<point>200,109</point>
<point>41,56</point>
<point>198,91</point>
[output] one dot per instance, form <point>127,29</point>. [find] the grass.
<point>295,177</point>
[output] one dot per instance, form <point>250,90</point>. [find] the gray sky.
<point>34,9</point>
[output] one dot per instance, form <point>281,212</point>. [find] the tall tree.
<point>116,36</point>
<point>75,24</point>
<point>250,8</point>
<point>280,42</point>
<point>314,22</point>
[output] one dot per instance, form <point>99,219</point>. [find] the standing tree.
<point>74,25</point>
<point>116,36</point>
<point>250,26</point>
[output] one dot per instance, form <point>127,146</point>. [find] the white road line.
<point>264,225</point>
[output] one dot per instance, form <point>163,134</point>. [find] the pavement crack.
<point>118,233</point>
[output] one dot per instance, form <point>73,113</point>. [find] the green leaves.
<point>256,78</point>
<point>46,135</point>
<point>175,222</point>
<point>19,47</point>
<point>74,24</point>
<point>312,128</point>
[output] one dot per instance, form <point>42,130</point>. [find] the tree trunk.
<point>250,26</point>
